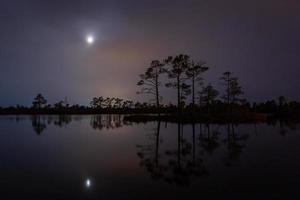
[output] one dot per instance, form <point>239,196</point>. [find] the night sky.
<point>43,47</point>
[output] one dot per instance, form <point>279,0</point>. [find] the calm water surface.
<point>100,157</point>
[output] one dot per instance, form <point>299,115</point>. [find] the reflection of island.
<point>62,120</point>
<point>99,122</point>
<point>38,124</point>
<point>175,166</point>
<point>235,144</point>
<point>208,141</point>
<point>189,159</point>
<point>285,126</point>
<point>149,154</point>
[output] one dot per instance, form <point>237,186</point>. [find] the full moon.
<point>90,39</point>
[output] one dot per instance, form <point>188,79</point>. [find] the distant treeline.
<point>185,77</point>
<point>99,105</point>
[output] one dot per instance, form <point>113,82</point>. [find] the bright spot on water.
<point>88,183</point>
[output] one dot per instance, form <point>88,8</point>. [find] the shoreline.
<point>185,117</point>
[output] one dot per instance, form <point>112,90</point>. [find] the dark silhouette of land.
<point>197,101</point>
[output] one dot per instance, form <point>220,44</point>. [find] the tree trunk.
<point>157,94</point>
<point>228,94</point>
<point>178,93</point>
<point>193,92</point>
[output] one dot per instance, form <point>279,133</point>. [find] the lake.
<point>102,157</point>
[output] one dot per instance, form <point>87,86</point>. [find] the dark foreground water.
<point>100,157</point>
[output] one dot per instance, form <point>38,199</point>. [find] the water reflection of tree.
<point>208,141</point>
<point>99,122</point>
<point>190,158</point>
<point>179,165</point>
<point>235,143</point>
<point>286,125</point>
<point>59,120</point>
<point>62,120</point>
<point>189,164</point>
<point>38,123</point>
<point>149,154</point>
